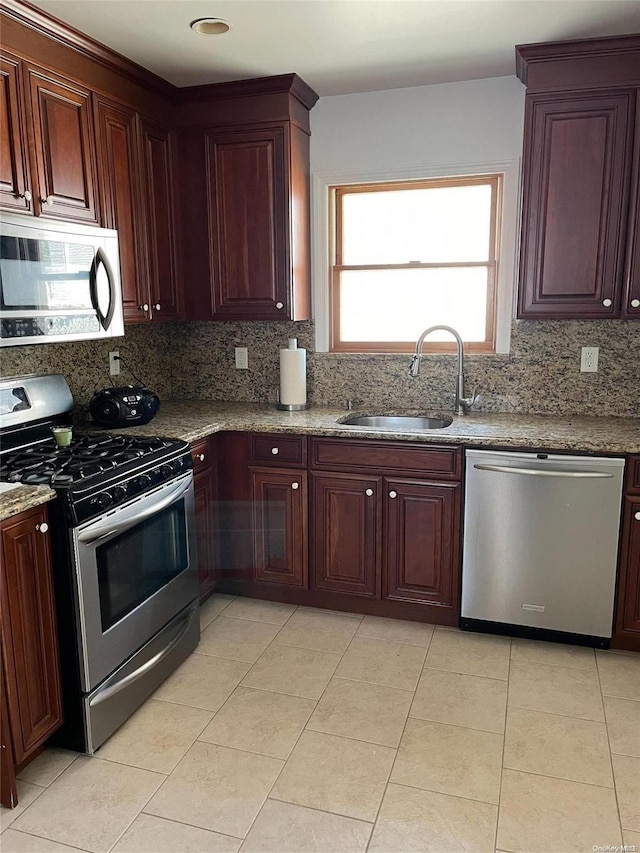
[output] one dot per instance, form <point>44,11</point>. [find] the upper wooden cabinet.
<point>580,179</point>
<point>16,190</point>
<point>63,145</point>
<point>249,164</point>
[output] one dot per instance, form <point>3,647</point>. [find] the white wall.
<point>448,128</point>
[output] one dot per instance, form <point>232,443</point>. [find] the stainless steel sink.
<point>398,423</point>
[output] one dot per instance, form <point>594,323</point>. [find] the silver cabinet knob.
<point>295,485</point>
<point>607,303</point>
<point>48,201</point>
<point>393,494</point>
<point>369,492</point>
<point>637,516</point>
<point>156,307</point>
<point>635,303</point>
<point>200,457</point>
<point>26,195</point>
<point>43,527</point>
<point>144,306</point>
<point>275,451</point>
<point>279,305</point>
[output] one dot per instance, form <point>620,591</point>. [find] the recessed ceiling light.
<point>210,26</point>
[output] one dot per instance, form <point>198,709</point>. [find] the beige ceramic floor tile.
<point>335,774</point>
<point>216,788</point>
<point>556,654</point>
<point>627,774</point>
<point>362,711</point>
<point>450,760</point>
<point>150,834</point>
<point>27,793</point>
<point>20,842</point>
<point>47,766</point>
<point>90,804</point>
<point>564,747</point>
<point>203,682</point>
<point>619,674</point>
<point>543,815</point>
<point>381,662</point>
<point>471,654</point>
<point>324,632</point>
<point>286,828</point>
<point>555,690</point>
<point>298,672</point>
<point>413,820</point>
<point>236,639</point>
<point>212,607</point>
<point>623,723</point>
<point>461,700</point>
<point>256,610</point>
<point>156,736</point>
<point>631,839</point>
<point>396,631</point>
<point>259,721</point>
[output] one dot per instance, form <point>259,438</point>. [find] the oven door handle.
<point>102,531</point>
<point>108,692</point>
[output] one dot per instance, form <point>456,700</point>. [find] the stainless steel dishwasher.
<point>541,545</point>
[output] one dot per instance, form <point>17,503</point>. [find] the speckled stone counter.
<point>195,419</point>
<point>14,501</point>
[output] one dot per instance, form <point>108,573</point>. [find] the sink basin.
<point>396,422</point>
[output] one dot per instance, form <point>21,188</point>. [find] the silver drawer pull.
<point>275,451</point>
<point>48,201</point>
<point>637,516</point>
<point>157,306</point>
<point>369,492</point>
<point>144,306</point>
<point>26,195</point>
<point>200,457</point>
<point>607,303</point>
<point>635,303</point>
<point>393,494</point>
<point>279,305</point>
<point>295,485</point>
<point>43,527</point>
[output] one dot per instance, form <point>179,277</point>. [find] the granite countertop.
<point>191,420</point>
<point>15,498</point>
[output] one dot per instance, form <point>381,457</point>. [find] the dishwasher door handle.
<point>534,472</point>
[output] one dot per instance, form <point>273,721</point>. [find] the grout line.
<point>146,803</point>
<point>504,743</point>
<point>559,778</point>
<point>456,725</point>
<point>44,838</point>
<point>195,826</point>
<point>613,774</point>
<point>447,794</point>
<point>457,672</point>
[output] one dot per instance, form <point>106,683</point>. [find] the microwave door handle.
<point>95,532</point>
<point>100,257</point>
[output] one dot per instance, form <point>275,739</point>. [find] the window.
<point>412,254</point>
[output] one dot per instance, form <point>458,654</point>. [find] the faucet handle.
<point>468,402</point>
<point>351,404</point>
<point>414,367</point>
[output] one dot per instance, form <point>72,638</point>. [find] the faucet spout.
<point>462,403</point>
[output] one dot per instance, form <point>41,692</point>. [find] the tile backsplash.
<point>181,360</point>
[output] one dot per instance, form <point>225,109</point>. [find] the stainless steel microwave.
<point>58,282</point>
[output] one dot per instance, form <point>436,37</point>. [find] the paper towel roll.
<point>293,375</point>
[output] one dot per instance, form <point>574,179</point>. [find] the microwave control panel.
<point>29,327</point>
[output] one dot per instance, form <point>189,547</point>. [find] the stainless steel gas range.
<point>124,554</point>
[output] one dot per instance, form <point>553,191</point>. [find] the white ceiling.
<point>340,46</point>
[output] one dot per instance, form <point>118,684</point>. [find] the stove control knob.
<point>118,494</point>
<point>101,501</point>
<point>143,481</point>
<point>177,465</point>
<point>165,472</point>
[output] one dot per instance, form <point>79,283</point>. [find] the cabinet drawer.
<point>201,455</point>
<point>632,486</point>
<point>290,450</point>
<point>443,462</point>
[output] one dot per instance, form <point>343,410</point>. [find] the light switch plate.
<point>589,360</point>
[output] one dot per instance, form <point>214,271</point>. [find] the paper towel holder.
<point>290,407</point>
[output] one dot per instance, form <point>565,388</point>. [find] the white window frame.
<point>509,236</point>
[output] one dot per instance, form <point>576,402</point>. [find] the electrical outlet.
<point>589,360</point>
<point>242,358</point>
<point>114,363</point>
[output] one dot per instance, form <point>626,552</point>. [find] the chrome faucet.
<point>462,403</point>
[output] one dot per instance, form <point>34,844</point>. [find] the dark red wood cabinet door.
<point>64,148</point>
<point>204,494</point>
<point>247,200</point>
<point>345,544</point>
<point>14,170</point>
<point>577,163</point>
<point>121,199</point>
<point>279,501</point>
<point>631,295</point>
<point>158,152</point>
<point>628,592</point>
<point>30,641</point>
<point>422,542</point>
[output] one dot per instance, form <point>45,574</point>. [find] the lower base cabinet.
<point>32,704</point>
<point>627,621</point>
<point>204,486</point>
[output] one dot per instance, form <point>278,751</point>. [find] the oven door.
<point>135,568</point>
